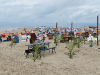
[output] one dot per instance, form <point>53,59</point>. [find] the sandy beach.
<point>14,62</point>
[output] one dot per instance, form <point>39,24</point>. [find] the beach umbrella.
<point>94,32</point>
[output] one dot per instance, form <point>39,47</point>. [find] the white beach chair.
<point>98,37</point>
<point>91,37</point>
<point>24,37</point>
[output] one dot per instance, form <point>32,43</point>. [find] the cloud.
<point>49,11</point>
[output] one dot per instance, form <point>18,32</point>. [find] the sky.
<point>47,12</point>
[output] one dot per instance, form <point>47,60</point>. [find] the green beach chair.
<point>9,38</point>
<point>0,38</point>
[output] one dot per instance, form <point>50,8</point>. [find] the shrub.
<point>12,42</point>
<point>36,51</point>
<point>70,47</point>
<point>56,39</point>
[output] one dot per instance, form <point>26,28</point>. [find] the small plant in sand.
<point>79,42</point>
<point>13,41</point>
<point>62,37</point>
<point>91,42</point>
<point>95,36</point>
<point>74,40</point>
<point>83,37</point>
<point>56,39</point>
<point>70,47</point>
<point>36,48</point>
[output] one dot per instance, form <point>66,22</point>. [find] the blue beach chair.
<point>16,37</point>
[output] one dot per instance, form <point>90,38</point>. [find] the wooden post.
<point>71,30</point>
<point>97,30</point>
<point>71,26</point>
<point>55,31</point>
<point>56,27</point>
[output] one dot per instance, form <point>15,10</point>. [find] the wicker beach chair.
<point>33,37</point>
<point>0,38</point>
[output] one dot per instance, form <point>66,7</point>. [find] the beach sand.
<point>14,62</point>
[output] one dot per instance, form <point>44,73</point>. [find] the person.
<point>0,38</point>
<point>26,39</point>
<point>43,38</point>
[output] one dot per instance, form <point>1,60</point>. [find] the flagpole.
<point>97,30</point>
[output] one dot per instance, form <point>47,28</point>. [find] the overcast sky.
<point>48,12</point>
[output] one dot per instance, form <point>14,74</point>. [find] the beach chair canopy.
<point>0,37</point>
<point>16,37</point>
<point>3,35</point>
<point>70,33</point>
<point>94,32</point>
<point>33,37</point>
<point>9,37</point>
<point>57,33</point>
<point>50,33</point>
<point>43,32</point>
